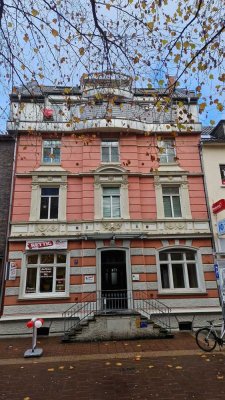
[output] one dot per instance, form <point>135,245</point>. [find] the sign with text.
<point>46,244</point>
<point>221,227</point>
<point>218,206</point>
<point>12,271</point>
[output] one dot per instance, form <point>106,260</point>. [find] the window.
<point>222,173</point>
<point>111,202</point>
<point>178,269</point>
<point>49,203</point>
<point>110,151</point>
<point>171,201</point>
<point>167,153</point>
<point>45,274</point>
<point>51,151</point>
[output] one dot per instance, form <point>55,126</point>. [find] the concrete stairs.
<point>115,326</point>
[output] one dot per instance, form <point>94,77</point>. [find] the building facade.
<point>109,200</point>
<point>6,167</point>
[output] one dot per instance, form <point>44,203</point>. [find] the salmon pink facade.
<point>108,202</point>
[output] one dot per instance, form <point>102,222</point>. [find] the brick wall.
<point>6,164</point>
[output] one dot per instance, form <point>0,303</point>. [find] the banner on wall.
<point>46,244</point>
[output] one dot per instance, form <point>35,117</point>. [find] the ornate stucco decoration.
<point>112,226</point>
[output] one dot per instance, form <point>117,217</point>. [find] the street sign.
<point>221,227</point>
<point>218,206</point>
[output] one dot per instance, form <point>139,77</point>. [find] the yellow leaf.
<point>150,25</point>
<point>34,12</point>
<point>81,51</point>
<point>10,25</point>
<point>177,58</point>
<point>164,41</point>
<point>23,67</point>
<point>108,6</point>
<point>220,107</point>
<point>136,60</point>
<point>55,33</point>
<point>212,122</point>
<point>36,50</point>
<point>202,106</point>
<point>178,45</point>
<point>26,38</point>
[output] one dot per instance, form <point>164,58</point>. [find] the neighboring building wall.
<point>6,165</point>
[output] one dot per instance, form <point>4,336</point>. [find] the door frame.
<point>100,249</point>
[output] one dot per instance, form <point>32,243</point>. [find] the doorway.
<point>114,280</point>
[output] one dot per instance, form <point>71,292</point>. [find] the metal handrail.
<point>106,301</point>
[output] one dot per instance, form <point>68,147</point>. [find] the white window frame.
<point>171,197</point>
<point>169,180</point>
<point>38,294</point>
<point>199,271</point>
<point>109,144</point>
<point>165,146</point>
<point>111,202</point>
<point>49,203</point>
<point>41,181</point>
<point>52,145</point>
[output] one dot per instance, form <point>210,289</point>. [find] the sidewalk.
<point>161,369</point>
<point>11,348</point>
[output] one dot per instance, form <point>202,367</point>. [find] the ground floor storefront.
<point>112,274</point>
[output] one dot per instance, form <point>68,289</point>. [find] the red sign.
<point>46,244</point>
<point>39,245</point>
<point>218,206</point>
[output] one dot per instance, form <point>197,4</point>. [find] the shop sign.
<point>46,272</point>
<point>46,244</point>
<point>218,206</point>
<point>89,279</point>
<point>12,271</point>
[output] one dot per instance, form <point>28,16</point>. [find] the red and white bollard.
<point>34,323</point>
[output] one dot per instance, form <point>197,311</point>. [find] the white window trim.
<point>48,295</point>
<point>160,145</point>
<point>199,270</point>
<point>168,180</point>
<point>111,196</point>
<point>118,147</point>
<point>42,156</point>
<point>171,201</point>
<point>38,182</point>
<point>120,181</point>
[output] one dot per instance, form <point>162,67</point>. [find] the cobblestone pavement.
<point>127,370</point>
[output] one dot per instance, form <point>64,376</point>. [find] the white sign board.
<point>12,271</point>
<point>221,227</point>
<point>89,279</point>
<point>46,244</point>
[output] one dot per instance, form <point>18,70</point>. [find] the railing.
<point>111,301</point>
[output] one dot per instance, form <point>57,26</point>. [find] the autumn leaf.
<point>108,6</point>
<point>34,12</point>
<point>26,38</point>
<point>81,51</point>
<point>150,25</point>
<point>54,32</point>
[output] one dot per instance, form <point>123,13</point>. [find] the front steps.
<point>115,326</point>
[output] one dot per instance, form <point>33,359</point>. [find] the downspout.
<point>2,289</point>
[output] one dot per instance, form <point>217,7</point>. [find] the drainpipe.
<point>2,289</point>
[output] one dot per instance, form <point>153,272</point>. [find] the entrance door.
<point>114,279</point>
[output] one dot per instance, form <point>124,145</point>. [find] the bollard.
<point>35,323</point>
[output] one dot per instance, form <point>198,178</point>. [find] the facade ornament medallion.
<point>112,226</point>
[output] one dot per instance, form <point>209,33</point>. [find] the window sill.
<point>48,296</point>
<point>181,292</point>
<point>45,164</point>
<point>168,163</point>
<point>110,163</point>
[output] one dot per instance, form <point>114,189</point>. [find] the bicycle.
<point>207,337</point>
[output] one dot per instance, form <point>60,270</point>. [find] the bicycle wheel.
<point>206,339</point>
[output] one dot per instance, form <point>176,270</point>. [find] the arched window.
<point>178,269</point>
